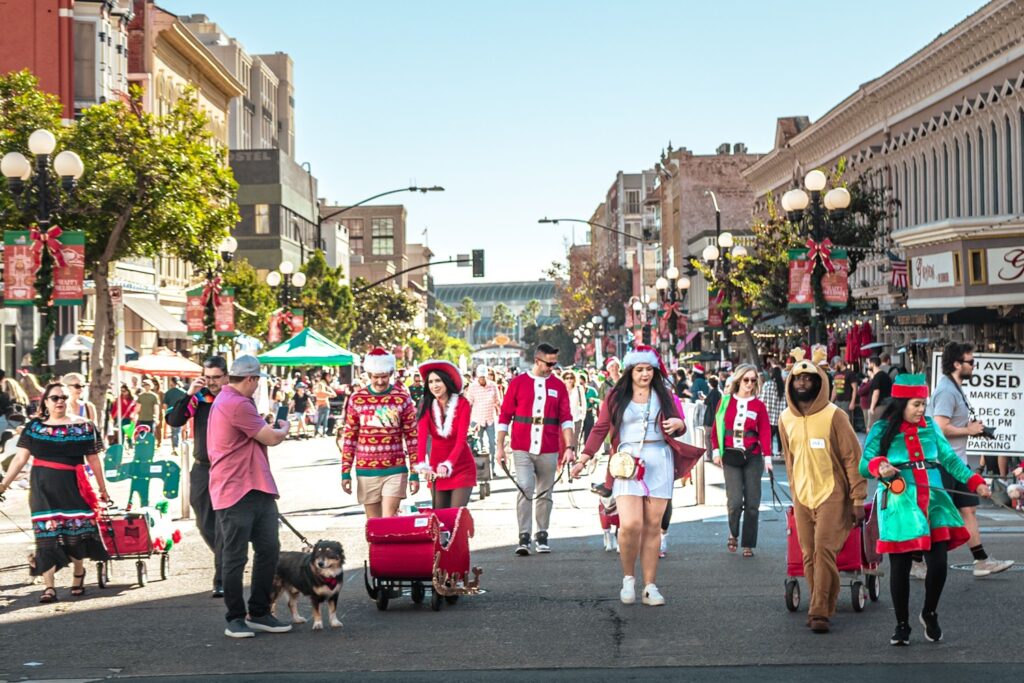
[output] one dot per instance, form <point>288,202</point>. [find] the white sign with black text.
<point>1005,266</point>
<point>931,271</point>
<point>996,393</point>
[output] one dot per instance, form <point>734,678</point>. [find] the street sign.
<point>996,392</point>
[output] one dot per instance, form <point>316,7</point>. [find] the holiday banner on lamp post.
<point>195,312</point>
<point>19,269</point>
<point>69,279</point>
<point>224,316</point>
<point>715,298</point>
<point>801,291</point>
<point>835,285</point>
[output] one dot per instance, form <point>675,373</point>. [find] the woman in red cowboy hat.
<point>444,417</point>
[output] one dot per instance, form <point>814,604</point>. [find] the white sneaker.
<point>991,566</point>
<point>919,571</point>
<point>628,593</point>
<point>652,596</point>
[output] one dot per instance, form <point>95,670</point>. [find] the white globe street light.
<point>14,165</point>
<point>672,273</point>
<point>725,240</point>
<point>837,199</point>
<point>795,200</point>
<point>661,284</point>
<point>42,142</point>
<point>815,181</point>
<point>710,253</point>
<point>67,164</point>
<point>739,251</point>
<point>683,284</point>
<point>299,280</point>
<point>273,278</point>
<point>286,267</point>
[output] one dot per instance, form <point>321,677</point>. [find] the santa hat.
<point>698,368</point>
<point>612,359</point>
<point>443,367</point>
<point>641,355</point>
<point>379,361</point>
<point>910,386</point>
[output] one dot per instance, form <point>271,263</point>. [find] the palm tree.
<point>468,315</point>
<point>503,317</point>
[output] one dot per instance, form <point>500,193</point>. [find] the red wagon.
<point>858,562</point>
<point>127,536</point>
<point>411,552</point>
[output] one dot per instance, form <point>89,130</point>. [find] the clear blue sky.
<point>526,109</point>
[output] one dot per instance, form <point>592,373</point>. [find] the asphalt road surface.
<point>540,617</point>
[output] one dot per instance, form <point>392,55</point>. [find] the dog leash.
<point>775,495</point>
<point>561,473</point>
<point>305,541</point>
<point>17,526</point>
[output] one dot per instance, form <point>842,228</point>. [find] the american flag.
<point>899,272</point>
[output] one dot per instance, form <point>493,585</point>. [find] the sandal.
<point>732,544</point>
<point>80,588</point>
<point>748,552</point>
<point>49,595</point>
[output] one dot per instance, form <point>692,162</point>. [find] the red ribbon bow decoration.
<point>212,290</point>
<point>664,322</point>
<point>281,316</point>
<point>821,251</point>
<point>51,241</point>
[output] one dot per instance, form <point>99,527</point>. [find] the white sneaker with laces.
<point>991,566</point>
<point>628,593</point>
<point>919,571</point>
<point>652,596</point>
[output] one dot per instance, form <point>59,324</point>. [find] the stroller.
<point>858,562</point>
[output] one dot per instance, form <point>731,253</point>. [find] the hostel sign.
<point>996,393</point>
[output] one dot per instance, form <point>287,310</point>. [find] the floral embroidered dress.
<point>62,500</point>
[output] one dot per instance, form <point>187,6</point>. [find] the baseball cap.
<point>246,366</point>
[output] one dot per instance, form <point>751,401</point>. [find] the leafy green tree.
<point>384,317</point>
<point>153,186</point>
<point>531,311</point>
<point>586,285</point>
<point>329,306</point>
<point>503,317</point>
<point>556,335</point>
<point>255,298</point>
<point>468,316</point>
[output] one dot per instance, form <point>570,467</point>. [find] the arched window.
<point>935,185</point>
<point>969,154</point>
<point>946,190</point>
<point>907,206</point>
<point>982,189</point>
<point>957,178</point>
<point>994,146</point>
<point>917,193</point>
<point>1008,148</point>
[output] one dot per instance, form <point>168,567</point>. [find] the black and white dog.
<point>317,574</point>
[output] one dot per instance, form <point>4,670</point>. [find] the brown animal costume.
<point>822,458</point>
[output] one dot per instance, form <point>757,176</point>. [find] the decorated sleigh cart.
<point>137,536</point>
<point>412,552</point>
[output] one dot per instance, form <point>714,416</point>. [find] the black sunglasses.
<point>77,386</point>
<point>966,361</point>
<point>56,398</point>
<point>550,364</point>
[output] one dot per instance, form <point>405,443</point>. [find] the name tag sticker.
<point>751,415</point>
<point>818,443</point>
<point>552,393</point>
<point>421,521</point>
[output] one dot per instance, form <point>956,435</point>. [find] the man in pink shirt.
<point>244,497</point>
<point>483,396</point>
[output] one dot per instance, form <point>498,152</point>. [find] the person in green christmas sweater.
<point>907,453</point>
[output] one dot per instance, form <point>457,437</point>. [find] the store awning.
<point>150,310</point>
<point>913,312</point>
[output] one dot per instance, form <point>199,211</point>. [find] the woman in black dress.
<point>62,499</point>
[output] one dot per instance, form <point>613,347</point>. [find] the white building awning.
<point>152,312</point>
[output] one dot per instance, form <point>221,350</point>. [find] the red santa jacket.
<point>536,409</point>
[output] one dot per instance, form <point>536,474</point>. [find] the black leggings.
<point>453,498</point>
<point>666,518</point>
<point>899,581</point>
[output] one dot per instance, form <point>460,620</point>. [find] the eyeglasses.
<point>550,364</point>
<point>213,377</point>
<point>967,361</point>
<point>56,398</point>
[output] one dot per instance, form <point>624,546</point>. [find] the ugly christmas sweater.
<point>379,434</point>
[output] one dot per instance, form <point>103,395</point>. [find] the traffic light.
<point>478,263</point>
<point>648,234</point>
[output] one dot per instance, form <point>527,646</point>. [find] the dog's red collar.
<point>330,581</point>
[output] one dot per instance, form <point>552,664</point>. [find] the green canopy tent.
<point>308,347</point>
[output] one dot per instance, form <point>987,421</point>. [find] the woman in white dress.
<point>639,414</point>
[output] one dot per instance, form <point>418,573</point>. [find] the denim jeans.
<point>175,437</point>
<point>743,497</point>
<point>322,413</point>
<point>253,519</point>
<point>206,519</point>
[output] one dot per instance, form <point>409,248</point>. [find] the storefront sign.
<point>801,292</point>
<point>1005,266</point>
<point>19,269</point>
<point>996,393</point>
<point>932,271</point>
<point>69,279</point>
<point>836,285</point>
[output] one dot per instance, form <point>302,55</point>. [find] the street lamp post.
<point>227,249</point>
<point>285,277</point>
<point>602,322</point>
<point>321,218</point>
<point>39,194</point>
<point>825,210</point>
<point>672,290</point>
<point>581,335</point>
<point>719,257</point>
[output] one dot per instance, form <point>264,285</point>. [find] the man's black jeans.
<point>253,519</point>
<point>206,518</point>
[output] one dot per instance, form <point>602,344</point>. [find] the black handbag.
<point>734,457</point>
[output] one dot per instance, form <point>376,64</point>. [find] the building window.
<point>355,234</point>
<point>906,195</point>
<point>935,185</point>
<point>945,181</point>
<point>970,177</point>
<point>982,190</point>
<point>994,146</point>
<point>957,269</point>
<point>1008,145</point>
<point>85,61</point>
<point>632,202</point>
<point>261,219</point>
<point>916,194</point>
<point>956,171</point>
<point>976,270</point>
<point>382,234</point>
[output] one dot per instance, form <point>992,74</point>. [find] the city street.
<point>537,614</point>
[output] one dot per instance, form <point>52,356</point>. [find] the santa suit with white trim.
<point>537,410</point>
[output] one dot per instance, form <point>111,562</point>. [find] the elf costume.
<point>920,515</point>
